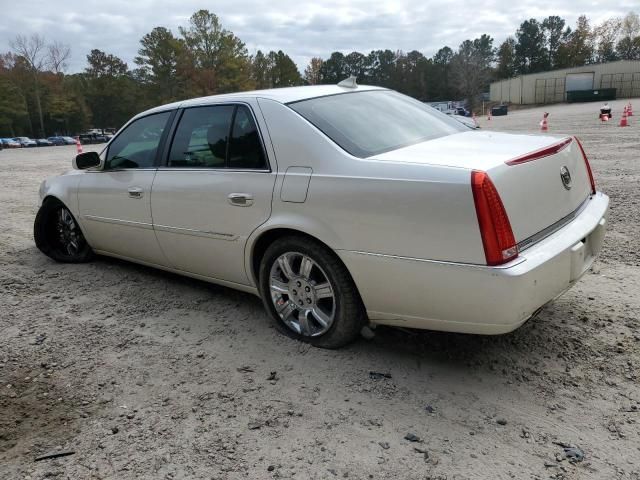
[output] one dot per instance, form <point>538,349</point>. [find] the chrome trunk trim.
<point>551,229</point>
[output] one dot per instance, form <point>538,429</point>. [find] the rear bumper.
<point>478,299</point>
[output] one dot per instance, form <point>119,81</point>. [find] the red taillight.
<point>586,163</point>
<point>497,237</point>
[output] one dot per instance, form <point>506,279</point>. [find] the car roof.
<point>282,95</point>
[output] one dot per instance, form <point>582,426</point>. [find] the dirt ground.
<point>145,374</point>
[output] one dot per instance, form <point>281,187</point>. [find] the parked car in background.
<point>339,205</point>
<point>10,143</point>
<point>26,142</point>
<point>61,140</point>
<point>447,107</point>
<point>56,140</point>
<point>89,138</point>
<point>43,142</point>
<point>499,110</point>
<point>451,108</point>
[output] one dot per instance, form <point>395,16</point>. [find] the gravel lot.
<point>145,374</point>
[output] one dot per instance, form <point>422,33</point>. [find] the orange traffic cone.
<point>629,110</point>
<point>544,125</point>
<point>604,117</point>
<point>623,120</point>
<point>78,145</point>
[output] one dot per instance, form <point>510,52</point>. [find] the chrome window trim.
<point>213,169</point>
<point>145,169</point>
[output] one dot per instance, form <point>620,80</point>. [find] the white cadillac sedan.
<point>340,206</point>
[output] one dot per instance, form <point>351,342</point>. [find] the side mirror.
<point>86,160</point>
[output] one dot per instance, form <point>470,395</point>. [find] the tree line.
<point>550,44</point>
<point>536,46</point>
<point>37,97</point>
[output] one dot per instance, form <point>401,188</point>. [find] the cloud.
<point>300,29</point>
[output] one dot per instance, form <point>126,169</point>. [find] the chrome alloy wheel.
<point>69,236</point>
<point>302,294</point>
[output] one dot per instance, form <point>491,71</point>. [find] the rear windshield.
<point>372,122</point>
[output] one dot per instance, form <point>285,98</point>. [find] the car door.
<point>115,201</point>
<point>214,190</point>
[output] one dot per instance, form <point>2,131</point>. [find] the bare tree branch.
<point>7,61</point>
<point>57,55</point>
<point>31,49</point>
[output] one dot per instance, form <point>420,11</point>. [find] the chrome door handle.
<point>135,192</point>
<point>240,199</point>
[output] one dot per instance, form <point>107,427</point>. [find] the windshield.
<point>375,121</point>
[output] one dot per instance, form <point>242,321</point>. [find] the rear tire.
<point>309,293</point>
<point>58,235</point>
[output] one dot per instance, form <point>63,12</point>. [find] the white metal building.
<point>552,86</point>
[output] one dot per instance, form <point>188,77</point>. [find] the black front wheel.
<point>58,235</point>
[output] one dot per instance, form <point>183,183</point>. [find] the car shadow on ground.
<point>429,342</point>
<point>555,332</point>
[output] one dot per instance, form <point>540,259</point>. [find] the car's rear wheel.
<point>309,293</point>
<point>58,235</point>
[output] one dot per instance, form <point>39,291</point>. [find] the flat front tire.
<point>58,235</point>
<point>309,293</point>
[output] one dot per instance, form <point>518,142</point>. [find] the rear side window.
<point>201,138</point>
<point>221,136</point>
<point>245,149</point>
<point>372,122</point>
<point>137,145</point>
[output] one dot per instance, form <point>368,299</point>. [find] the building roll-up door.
<point>579,81</point>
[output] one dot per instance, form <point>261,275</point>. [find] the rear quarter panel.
<point>374,206</point>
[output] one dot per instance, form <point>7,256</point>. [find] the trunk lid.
<point>532,190</point>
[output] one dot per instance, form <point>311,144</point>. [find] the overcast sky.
<point>301,29</point>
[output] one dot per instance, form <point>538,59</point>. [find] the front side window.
<point>375,121</point>
<point>136,146</point>
<point>219,136</point>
